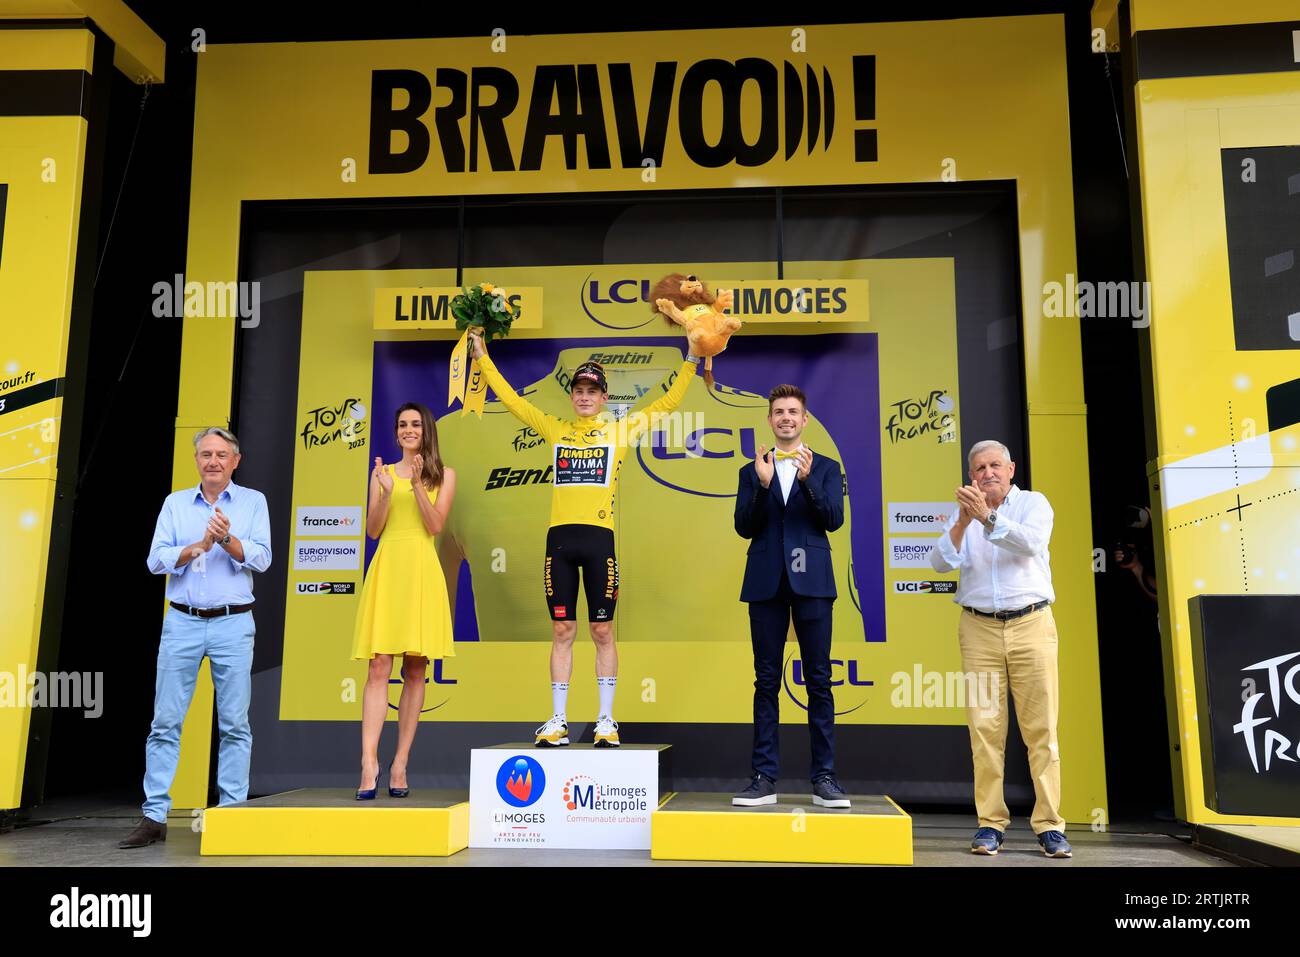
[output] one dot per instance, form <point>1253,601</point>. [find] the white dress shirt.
<point>786,470</point>
<point>1007,568</point>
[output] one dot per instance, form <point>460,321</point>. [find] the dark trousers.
<point>769,623</point>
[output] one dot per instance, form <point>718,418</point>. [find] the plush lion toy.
<point>686,301</point>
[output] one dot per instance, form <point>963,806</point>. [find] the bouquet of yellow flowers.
<point>486,306</point>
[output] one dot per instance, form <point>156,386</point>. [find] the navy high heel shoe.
<point>395,792</point>
<point>369,793</point>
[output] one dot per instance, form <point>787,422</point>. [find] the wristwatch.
<point>225,541</point>
<point>992,519</point>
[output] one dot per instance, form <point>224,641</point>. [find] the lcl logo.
<point>433,674</point>
<point>620,292</point>
<point>709,443</point>
<point>699,445</point>
<point>843,673</point>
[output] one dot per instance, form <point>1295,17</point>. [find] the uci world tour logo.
<point>520,781</point>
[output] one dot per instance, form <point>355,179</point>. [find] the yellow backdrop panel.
<point>292,121</point>
<point>41,165</point>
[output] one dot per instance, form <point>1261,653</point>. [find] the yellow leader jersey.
<point>587,452</point>
<point>678,484</point>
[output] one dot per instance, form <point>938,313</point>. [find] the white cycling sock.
<point>606,688</point>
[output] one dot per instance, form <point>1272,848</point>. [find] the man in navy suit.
<point>788,499</point>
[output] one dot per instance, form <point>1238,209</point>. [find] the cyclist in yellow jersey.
<point>588,452</point>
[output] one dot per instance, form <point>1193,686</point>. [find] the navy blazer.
<point>778,528</point>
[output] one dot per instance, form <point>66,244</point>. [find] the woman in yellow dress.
<point>404,607</point>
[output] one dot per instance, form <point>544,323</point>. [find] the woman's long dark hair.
<point>429,443</point>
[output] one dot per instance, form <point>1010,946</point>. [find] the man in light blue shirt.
<point>209,539</point>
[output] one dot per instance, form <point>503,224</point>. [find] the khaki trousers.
<point>1020,653</point>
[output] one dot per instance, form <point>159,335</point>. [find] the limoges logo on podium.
<point>520,781</point>
<point>576,797</point>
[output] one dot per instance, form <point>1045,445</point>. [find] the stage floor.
<point>85,832</point>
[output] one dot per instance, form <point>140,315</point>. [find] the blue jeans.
<point>228,644</point>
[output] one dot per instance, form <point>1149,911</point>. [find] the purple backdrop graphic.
<point>838,372</point>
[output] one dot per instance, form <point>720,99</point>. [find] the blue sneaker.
<point>987,841</point>
<point>1055,845</point>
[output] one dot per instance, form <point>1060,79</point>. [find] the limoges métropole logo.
<point>521,781</point>
<point>582,792</point>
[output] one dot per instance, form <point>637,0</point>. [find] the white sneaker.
<point>606,734</point>
<point>553,734</point>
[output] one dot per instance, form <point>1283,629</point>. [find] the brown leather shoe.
<point>145,833</point>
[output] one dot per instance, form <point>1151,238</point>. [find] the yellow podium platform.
<point>706,827</point>
<point>330,821</point>
<point>1276,845</point>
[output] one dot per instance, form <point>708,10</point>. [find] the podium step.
<point>576,797</point>
<point>706,827</point>
<point>330,821</point>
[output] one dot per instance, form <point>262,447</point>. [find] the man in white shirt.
<point>997,539</point>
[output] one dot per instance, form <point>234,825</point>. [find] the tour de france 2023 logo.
<point>333,423</point>
<point>521,781</point>
<point>932,414</point>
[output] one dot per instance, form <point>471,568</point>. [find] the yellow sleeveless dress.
<point>404,608</point>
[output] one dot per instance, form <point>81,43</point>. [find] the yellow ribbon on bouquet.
<point>465,381</point>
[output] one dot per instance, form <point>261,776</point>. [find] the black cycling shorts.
<point>591,549</point>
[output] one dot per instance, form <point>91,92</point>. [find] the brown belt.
<point>1008,615</point>
<point>211,612</point>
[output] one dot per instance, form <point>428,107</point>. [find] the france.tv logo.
<point>520,781</point>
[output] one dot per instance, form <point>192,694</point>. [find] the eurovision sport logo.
<point>328,554</point>
<point>521,781</point>
<point>910,552</point>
